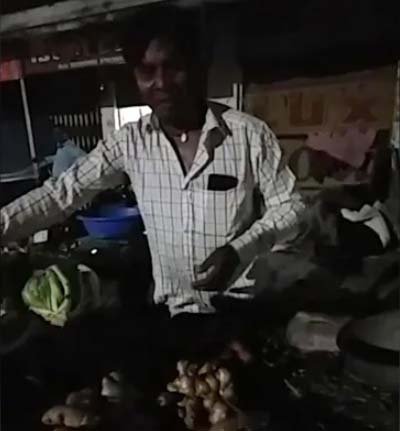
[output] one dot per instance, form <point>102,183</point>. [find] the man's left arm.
<point>280,221</point>
<point>283,204</point>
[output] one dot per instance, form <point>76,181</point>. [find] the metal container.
<point>372,347</point>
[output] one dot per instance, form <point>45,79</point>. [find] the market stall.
<point>309,356</point>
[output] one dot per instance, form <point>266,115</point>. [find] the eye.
<point>174,66</point>
<point>145,70</point>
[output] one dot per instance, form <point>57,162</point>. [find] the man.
<point>67,153</point>
<point>195,168</point>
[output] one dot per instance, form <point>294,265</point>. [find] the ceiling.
<point>288,36</point>
<point>19,5</point>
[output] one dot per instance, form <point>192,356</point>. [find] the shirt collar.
<point>214,120</point>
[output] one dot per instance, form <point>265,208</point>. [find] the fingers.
<point>241,351</point>
<point>219,267</point>
<point>208,282</point>
<point>207,264</point>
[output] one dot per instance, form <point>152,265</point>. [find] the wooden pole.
<point>29,131</point>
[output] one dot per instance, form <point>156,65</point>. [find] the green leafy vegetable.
<point>48,295</point>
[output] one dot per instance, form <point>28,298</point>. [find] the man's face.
<point>163,79</point>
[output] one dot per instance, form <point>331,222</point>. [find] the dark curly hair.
<point>176,25</point>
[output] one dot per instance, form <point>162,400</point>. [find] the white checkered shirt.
<point>185,220</point>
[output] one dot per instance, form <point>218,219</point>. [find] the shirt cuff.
<point>245,247</point>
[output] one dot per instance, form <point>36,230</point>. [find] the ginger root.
<point>218,413</point>
<point>208,390</point>
<point>70,417</point>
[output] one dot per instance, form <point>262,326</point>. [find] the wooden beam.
<point>64,12</point>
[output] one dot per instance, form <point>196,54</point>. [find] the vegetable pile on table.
<point>79,411</point>
<point>208,393</point>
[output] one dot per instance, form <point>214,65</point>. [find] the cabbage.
<point>48,294</point>
<point>64,292</point>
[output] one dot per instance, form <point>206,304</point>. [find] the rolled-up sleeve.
<point>55,200</point>
<point>283,204</point>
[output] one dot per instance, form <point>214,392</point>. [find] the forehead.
<point>159,50</point>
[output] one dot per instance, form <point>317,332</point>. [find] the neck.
<point>190,118</point>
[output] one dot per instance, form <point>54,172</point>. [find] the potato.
<point>190,406</point>
<point>228,425</point>
<point>212,382</point>
<point>205,369</point>
<point>224,377</point>
<point>201,388</point>
<point>186,386</point>
<point>168,398</point>
<point>70,417</point>
<point>172,387</point>
<point>192,370</point>
<point>84,398</point>
<point>182,402</point>
<point>182,367</point>
<point>228,393</point>
<point>218,413</point>
<point>194,412</point>
<point>112,386</point>
<point>189,421</point>
<point>209,401</point>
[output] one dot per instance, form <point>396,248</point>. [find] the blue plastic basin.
<point>112,222</point>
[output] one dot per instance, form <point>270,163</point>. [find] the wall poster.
<point>339,115</point>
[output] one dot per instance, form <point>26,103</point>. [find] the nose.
<point>160,78</point>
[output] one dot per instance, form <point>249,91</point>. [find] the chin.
<point>164,112</point>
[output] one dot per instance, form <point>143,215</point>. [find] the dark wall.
<point>123,80</point>
<point>285,39</point>
<point>62,92</point>
<point>14,147</point>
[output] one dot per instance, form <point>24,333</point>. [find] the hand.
<point>241,351</point>
<point>223,263</point>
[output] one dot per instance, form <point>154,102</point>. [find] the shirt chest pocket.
<point>217,212</point>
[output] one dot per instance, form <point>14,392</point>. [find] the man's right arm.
<point>57,199</point>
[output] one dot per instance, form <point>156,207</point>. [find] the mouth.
<point>161,94</point>
<point>163,102</point>
<point>162,99</point>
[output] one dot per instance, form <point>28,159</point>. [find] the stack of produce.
<point>208,393</point>
<point>79,411</point>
